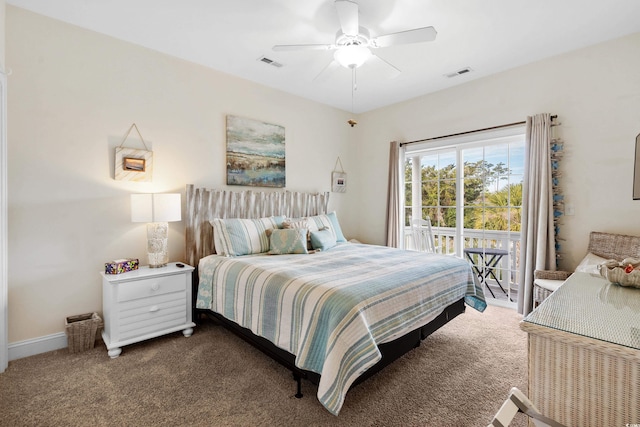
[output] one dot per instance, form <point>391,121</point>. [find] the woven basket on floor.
<point>81,331</point>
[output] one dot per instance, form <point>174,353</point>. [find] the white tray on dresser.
<point>584,353</point>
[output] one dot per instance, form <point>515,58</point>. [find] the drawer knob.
<point>155,286</point>
<point>154,308</point>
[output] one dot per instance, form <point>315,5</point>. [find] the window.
<point>471,189</point>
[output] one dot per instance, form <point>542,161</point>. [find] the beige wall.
<point>74,93</point>
<point>72,96</point>
<point>596,94</point>
<point>2,32</point>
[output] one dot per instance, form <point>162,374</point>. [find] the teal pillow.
<point>323,239</point>
<point>288,241</point>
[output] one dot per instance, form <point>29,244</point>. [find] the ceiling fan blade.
<point>348,16</point>
<point>326,71</point>
<point>287,47</point>
<point>393,70</point>
<point>418,35</point>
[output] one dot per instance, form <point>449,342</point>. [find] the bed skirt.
<point>390,351</point>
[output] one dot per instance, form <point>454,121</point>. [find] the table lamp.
<point>156,210</point>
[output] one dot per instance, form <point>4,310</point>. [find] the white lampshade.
<point>352,56</point>
<point>155,207</point>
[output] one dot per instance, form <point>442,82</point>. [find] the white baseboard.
<point>26,348</point>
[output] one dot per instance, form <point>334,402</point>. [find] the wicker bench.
<point>605,245</point>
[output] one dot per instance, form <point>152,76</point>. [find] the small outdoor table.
<point>489,259</point>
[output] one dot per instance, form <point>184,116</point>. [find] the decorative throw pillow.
<point>295,223</point>
<point>323,239</point>
<point>288,241</point>
<point>298,223</point>
<point>235,236</point>
<point>330,221</point>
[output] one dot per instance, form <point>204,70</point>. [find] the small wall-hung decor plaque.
<point>338,179</point>
<point>133,164</point>
<point>255,153</point>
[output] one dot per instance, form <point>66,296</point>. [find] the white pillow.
<point>589,264</point>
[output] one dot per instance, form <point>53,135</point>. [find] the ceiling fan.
<point>353,44</point>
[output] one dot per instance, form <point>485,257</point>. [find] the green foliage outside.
<point>499,209</point>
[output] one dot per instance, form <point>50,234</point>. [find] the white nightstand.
<point>145,303</point>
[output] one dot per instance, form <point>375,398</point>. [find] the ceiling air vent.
<point>459,72</point>
<point>269,61</point>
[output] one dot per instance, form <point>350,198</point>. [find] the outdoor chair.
<point>422,234</point>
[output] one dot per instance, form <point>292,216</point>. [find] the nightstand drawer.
<point>145,288</point>
<point>143,316</point>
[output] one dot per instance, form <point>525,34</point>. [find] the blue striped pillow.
<point>330,220</point>
<point>235,236</point>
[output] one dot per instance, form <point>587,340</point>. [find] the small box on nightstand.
<point>119,266</point>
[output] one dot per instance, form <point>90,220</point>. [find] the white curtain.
<point>394,195</point>
<point>537,238</point>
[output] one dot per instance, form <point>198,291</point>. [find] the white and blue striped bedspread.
<point>331,308</point>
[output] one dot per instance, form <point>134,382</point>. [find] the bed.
<point>334,316</point>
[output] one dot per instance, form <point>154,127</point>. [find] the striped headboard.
<point>204,204</point>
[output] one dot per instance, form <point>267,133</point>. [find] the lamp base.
<point>158,265</point>
<point>157,246</point>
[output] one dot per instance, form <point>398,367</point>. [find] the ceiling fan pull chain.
<point>352,122</point>
<point>355,79</point>
<point>353,82</point>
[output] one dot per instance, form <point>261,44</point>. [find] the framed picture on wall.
<point>255,153</point>
<point>339,182</point>
<point>133,164</point>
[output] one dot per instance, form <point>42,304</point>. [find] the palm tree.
<point>501,210</point>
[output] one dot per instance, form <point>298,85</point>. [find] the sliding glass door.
<point>471,190</point>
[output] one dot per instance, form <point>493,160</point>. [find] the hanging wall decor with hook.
<point>133,164</point>
<point>338,178</point>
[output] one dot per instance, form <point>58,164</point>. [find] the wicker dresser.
<point>584,353</point>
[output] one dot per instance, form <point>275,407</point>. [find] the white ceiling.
<point>231,35</point>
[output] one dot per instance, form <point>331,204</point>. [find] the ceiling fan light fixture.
<point>352,56</point>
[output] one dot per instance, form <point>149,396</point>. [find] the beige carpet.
<point>458,377</point>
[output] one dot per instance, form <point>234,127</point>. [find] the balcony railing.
<point>507,269</point>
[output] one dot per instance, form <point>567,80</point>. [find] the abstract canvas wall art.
<point>255,153</point>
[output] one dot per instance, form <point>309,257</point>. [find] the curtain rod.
<point>468,132</point>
